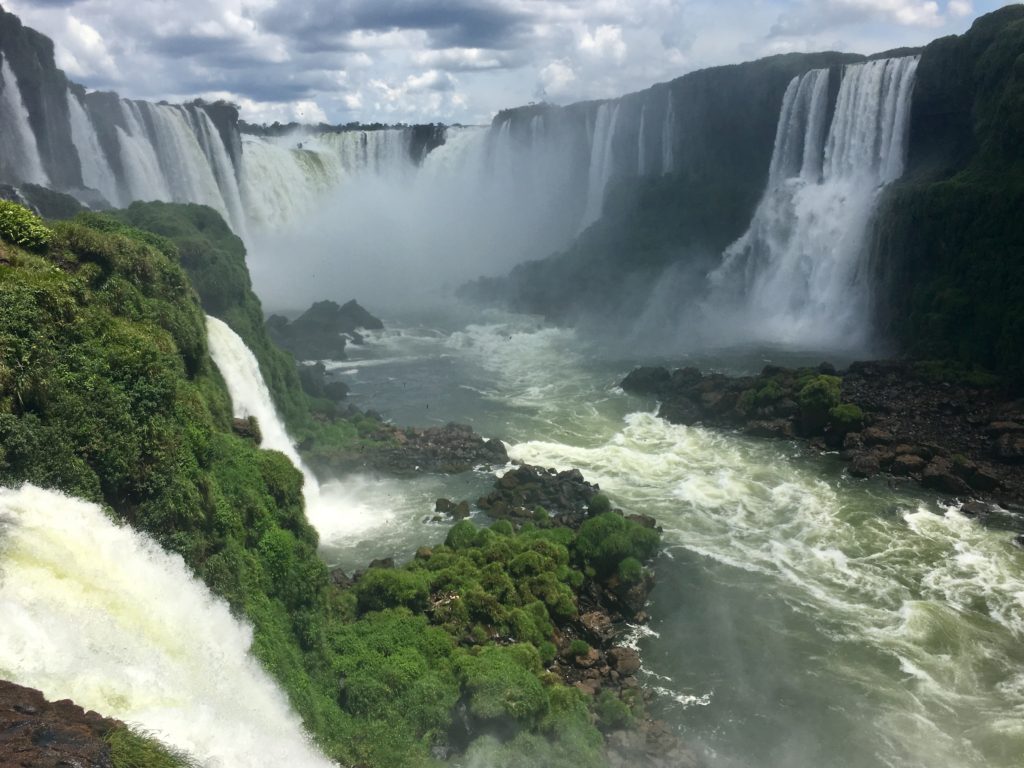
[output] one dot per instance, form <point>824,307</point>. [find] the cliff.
<point>949,243</point>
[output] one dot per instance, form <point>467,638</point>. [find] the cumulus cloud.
<point>454,60</point>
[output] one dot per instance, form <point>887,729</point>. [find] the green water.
<point>801,619</point>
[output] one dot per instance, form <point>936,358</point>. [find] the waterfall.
<point>667,137</point>
<point>96,171</point>
<point>143,176</point>
<point>798,275</point>
<point>21,160</point>
<point>600,161</point>
<point>99,613</point>
<point>250,395</point>
<point>641,149</point>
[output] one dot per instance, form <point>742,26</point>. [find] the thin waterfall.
<point>667,137</point>
<point>99,613</point>
<point>600,161</point>
<point>641,147</point>
<point>96,170</point>
<point>798,275</point>
<point>21,160</point>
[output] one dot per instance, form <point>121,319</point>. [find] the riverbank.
<point>956,432</point>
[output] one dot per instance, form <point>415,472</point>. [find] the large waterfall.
<point>800,274</point>
<point>99,613</point>
<point>20,157</point>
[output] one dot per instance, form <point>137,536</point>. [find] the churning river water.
<point>802,618</point>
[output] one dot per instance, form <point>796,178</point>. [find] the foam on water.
<point>99,613</point>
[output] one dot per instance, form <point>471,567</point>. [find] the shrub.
<point>607,540</point>
<point>600,504</point>
<point>18,225</point>
<point>612,711</point>
<point>817,397</point>
<point>846,417</point>
<point>631,570</point>
<point>462,535</point>
<point>133,750</point>
<point>579,648</point>
<point>382,588</point>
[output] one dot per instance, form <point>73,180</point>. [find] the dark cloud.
<point>323,24</point>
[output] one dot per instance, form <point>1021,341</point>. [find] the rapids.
<point>802,618</point>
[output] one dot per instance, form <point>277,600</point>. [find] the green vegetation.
<point>129,749</point>
<point>107,392</point>
<point>846,418</point>
<point>19,226</point>
<point>950,237</point>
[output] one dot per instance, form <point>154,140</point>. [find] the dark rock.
<point>444,505</point>
<point>249,428</point>
<point>383,562</point>
<point>461,510</point>
<point>974,509</point>
<point>598,625</point>
<point>320,332</point>
<point>646,380</point>
<point>589,659</point>
<point>340,579</point>
<point>424,553</point>
<point>683,378</point>
<point>907,464</point>
<point>777,428</point>
<point>625,661</point>
<point>40,734</point>
<point>864,465</point>
<point>1010,448</point>
<point>876,436</point>
<point>681,410</point>
<point>452,449</point>
<point>939,475</point>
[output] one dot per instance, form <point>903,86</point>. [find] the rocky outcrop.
<point>41,734</point>
<point>956,432</point>
<point>323,330</point>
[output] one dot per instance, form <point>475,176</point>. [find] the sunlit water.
<point>802,618</point>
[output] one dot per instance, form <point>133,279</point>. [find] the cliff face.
<point>687,165</point>
<point>30,56</point>
<point>949,244</point>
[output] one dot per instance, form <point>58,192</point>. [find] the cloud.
<point>457,60</point>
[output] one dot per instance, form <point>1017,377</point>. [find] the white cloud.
<point>84,54</point>
<point>960,8</point>
<point>605,41</point>
<point>556,78</point>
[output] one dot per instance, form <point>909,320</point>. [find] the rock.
<point>907,464</point>
<point>340,579</point>
<point>589,659</point>
<point>1018,540</point>
<point>40,734</point>
<point>383,562</point>
<point>646,380</point>
<point>779,428</point>
<point>864,465</point>
<point>877,436</point>
<point>625,661</point>
<point>645,520</point>
<point>424,553</point>
<point>683,378</point>
<point>1010,448</point>
<point>939,475</point>
<point>452,449</point>
<point>443,505</point>
<point>997,428</point>
<point>974,509</point>
<point>461,511</point>
<point>598,625</point>
<point>984,480</point>
<point>249,428</point>
<point>680,410</point>
<point>853,441</point>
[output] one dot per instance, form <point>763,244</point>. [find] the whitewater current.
<point>802,618</point>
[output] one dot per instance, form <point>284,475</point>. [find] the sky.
<point>451,61</point>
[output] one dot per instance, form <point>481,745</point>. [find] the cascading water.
<point>20,159</point>
<point>330,508</point>
<point>96,612</point>
<point>96,171</point>
<point>601,167</point>
<point>144,177</point>
<point>798,275</point>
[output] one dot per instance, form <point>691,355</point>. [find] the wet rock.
<point>646,380</point>
<point>37,733</point>
<point>248,428</point>
<point>625,661</point>
<point>907,464</point>
<point>681,410</point>
<point>778,428</point>
<point>339,578</point>
<point>1010,448</point>
<point>599,625</point>
<point>461,510</point>
<point>589,659</point>
<point>444,505</point>
<point>974,509</point>
<point>939,476</point>
<point>424,553</point>
<point>864,465</point>
<point>383,562</point>
<point>450,449</point>
<point>877,436</point>
<point>522,490</point>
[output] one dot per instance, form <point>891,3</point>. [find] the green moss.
<point>579,648</point>
<point>600,504</point>
<point>605,541</point>
<point>382,588</point>
<point>631,571</point>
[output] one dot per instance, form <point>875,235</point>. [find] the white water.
<point>799,274</point>
<point>601,161</point>
<point>96,171</point>
<point>20,149</point>
<point>143,174</point>
<point>336,510</point>
<point>98,613</point>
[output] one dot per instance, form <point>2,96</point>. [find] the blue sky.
<point>448,60</point>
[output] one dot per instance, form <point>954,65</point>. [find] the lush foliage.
<point>20,226</point>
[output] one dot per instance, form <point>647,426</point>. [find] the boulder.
<point>939,476</point>
<point>907,464</point>
<point>864,465</point>
<point>646,380</point>
<point>625,661</point>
